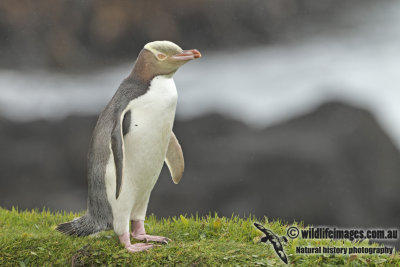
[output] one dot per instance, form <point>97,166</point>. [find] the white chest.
<point>145,146</point>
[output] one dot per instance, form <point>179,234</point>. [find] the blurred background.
<point>293,112</point>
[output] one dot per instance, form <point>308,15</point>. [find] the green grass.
<point>28,238</point>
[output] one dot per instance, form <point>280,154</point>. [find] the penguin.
<point>130,142</point>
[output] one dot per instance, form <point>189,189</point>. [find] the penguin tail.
<point>82,226</point>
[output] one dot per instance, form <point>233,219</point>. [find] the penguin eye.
<point>161,56</point>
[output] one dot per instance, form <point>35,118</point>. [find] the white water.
<point>259,86</point>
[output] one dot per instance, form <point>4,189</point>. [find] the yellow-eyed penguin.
<point>132,138</point>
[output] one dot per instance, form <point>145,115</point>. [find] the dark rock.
<point>41,161</point>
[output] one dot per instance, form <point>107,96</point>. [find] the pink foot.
<point>125,240</point>
<point>149,238</point>
<point>139,233</point>
<point>137,247</point>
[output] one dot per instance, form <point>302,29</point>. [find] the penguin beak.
<point>187,55</point>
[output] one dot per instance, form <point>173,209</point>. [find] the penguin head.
<point>165,57</point>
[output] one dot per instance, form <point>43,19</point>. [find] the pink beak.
<point>187,55</point>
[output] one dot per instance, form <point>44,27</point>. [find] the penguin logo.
<point>275,240</point>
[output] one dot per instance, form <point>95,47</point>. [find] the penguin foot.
<point>137,247</point>
<point>151,238</point>
<point>139,233</point>
<point>125,240</point>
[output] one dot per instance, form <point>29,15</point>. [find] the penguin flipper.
<point>117,146</point>
<point>174,159</point>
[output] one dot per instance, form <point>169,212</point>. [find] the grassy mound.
<point>28,238</point>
